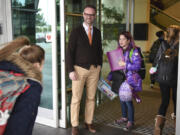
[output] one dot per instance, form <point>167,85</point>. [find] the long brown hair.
<point>32,53</point>
<point>173,38</point>
<point>24,56</point>
<point>129,37</point>
<point>13,46</point>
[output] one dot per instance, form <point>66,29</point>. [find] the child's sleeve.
<point>135,63</point>
<point>109,77</point>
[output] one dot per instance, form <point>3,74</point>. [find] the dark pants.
<point>127,107</point>
<point>165,97</point>
<point>152,78</point>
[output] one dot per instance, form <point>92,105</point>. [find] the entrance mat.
<point>146,129</point>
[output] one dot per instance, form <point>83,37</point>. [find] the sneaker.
<point>129,126</point>
<point>120,121</point>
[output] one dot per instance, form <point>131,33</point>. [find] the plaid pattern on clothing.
<point>11,86</point>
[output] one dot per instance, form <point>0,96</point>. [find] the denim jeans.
<point>127,107</point>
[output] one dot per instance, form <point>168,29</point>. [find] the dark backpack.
<point>154,50</point>
<point>167,67</point>
<point>118,77</point>
<point>142,71</point>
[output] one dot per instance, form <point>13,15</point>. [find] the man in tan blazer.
<point>84,62</point>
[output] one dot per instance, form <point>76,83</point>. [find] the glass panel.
<point>23,20</point>
<point>77,6</point>
<point>43,28</point>
<point>27,4</point>
<point>113,22</point>
<point>35,22</point>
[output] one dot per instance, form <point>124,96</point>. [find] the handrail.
<point>165,13</point>
<point>169,3</point>
<point>73,14</point>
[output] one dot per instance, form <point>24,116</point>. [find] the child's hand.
<point>122,63</point>
<point>131,87</point>
<point>136,97</point>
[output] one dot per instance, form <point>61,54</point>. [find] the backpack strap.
<point>130,54</point>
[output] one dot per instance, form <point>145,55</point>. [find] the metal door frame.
<point>47,116</point>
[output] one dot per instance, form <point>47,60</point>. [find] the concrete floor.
<point>101,130</point>
<point>108,111</point>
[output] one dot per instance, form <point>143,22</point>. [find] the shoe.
<point>152,85</point>
<point>90,128</point>
<point>129,126</point>
<point>120,121</point>
<point>75,131</point>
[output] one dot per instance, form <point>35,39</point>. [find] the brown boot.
<point>159,124</point>
<point>90,128</point>
<point>75,131</point>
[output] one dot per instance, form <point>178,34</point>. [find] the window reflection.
<point>28,4</point>
<point>30,18</point>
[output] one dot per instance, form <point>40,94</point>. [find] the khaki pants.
<point>90,79</point>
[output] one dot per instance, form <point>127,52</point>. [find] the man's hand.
<point>73,76</point>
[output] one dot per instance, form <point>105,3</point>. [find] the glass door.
<point>69,16</point>
<point>46,27</point>
<point>115,18</point>
<point>36,19</point>
<point>73,18</point>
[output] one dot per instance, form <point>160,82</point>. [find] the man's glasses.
<point>91,15</point>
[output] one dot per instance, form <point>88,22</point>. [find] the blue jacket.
<point>22,119</point>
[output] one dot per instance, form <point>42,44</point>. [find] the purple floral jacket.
<point>133,65</point>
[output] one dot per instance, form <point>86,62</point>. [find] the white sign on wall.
<point>48,38</point>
